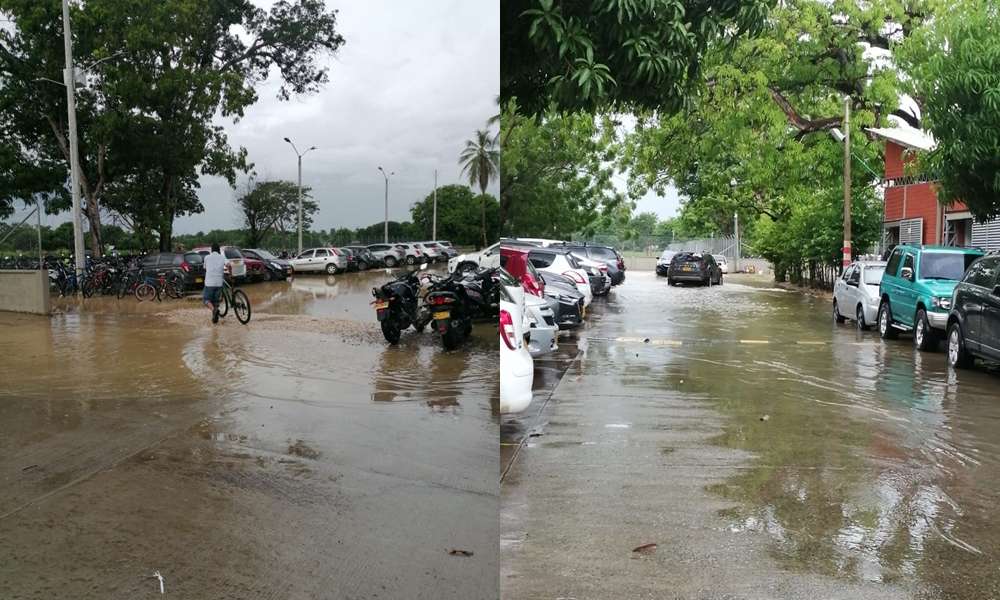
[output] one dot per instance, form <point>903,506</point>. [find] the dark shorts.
<point>212,294</point>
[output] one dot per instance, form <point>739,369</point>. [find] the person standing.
<point>215,273</point>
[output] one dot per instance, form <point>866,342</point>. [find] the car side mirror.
<point>907,273</point>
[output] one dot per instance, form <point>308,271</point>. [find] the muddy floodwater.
<point>297,457</point>
<point>765,451</point>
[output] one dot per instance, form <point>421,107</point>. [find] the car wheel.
<point>860,319</point>
<point>466,267</point>
<point>390,261</point>
<point>924,338</point>
<point>836,313</point>
<point>410,260</point>
<point>885,329</point>
<point>331,269</point>
<point>958,356</point>
<point>362,266</point>
<point>670,281</point>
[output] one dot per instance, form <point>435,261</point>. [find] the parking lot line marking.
<point>811,343</point>
<point>755,341</point>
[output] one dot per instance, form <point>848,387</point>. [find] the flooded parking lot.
<point>766,452</point>
<point>297,457</point>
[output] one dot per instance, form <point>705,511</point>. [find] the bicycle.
<point>156,287</point>
<point>236,298</point>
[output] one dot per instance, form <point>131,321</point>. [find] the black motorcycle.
<point>455,301</point>
<point>397,306</point>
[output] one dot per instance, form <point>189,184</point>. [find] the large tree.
<point>954,68</point>
<point>148,118</point>
<point>457,209</point>
<point>273,207</point>
<point>621,54</point>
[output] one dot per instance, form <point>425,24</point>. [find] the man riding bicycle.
<point>216,267</point>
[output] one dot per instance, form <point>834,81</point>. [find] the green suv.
<point>916,291</point>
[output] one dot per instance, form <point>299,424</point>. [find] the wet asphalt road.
<point>297,457</point>
<point>767,452</point>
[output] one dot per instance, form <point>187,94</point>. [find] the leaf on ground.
<point>457,552</point>
<point>645,548</point>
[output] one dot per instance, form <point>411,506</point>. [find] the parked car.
<point>412,254</point>
<point>237,268</point>
<point>352,259</point>
<point>189,266</point>
<point>723,263</point>
<point>517,368</point>
<point>570,300</point>
<point>431,253</point>
<point>856,293</point>
<point>916,291</point>
<point>366,258</point>
<point>487,259</point>
<point>542,329</point>
<point>563,263</point>
<point>277,268</point>
<point>446,249</point>
<point>694,267</point>
<point>974,322</point>
<point>329,260</point>
<point>606,255</point>
<point>387,254</point>
<point>256,269</point>
<point>663,262</point>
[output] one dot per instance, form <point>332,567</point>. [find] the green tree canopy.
<point>954,68</point>
<point>458,215</point>
<point>620,54</point>
<point>273,207</point>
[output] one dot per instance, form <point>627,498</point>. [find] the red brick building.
<point>912,213</point>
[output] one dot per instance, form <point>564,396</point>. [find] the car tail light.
<point>531,286</point>
<point>185,267</point>
<point>507,333</point>
<point>575,276</point>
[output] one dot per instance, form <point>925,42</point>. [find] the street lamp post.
<point>385,232</point>
<point>69,78</point>
<point>300,155</point>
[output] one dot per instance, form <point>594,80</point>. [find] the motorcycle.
<point>397,305</point>
<point>455,301</point>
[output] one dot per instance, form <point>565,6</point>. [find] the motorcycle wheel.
<point>452,338</point>
<point>391,331</point>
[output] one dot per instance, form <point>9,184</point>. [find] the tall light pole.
<point>69,78</point>
<point>847,182</point>
<point>434,226</point>
<point>300,155</point>
<point>385,239</point>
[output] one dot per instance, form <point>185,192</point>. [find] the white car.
<point>412,253</point>
<point>856,295</point>
<point>234,259</point>
<point>721,260</point>
<point>431,253</point>
<point>517,368</point>
<point>559,263</point>
<point>488,258</point>
<point>542,330</point>
<point>663,262</point>
<point>318,260</point>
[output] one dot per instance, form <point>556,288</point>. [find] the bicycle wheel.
<point>223,303</point>
<point>241,306</point>
<point>145,291</point>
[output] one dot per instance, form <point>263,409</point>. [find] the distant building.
<point>913,214</point>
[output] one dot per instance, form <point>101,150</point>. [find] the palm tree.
<point>481,163</point>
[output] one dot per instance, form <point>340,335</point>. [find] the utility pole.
<point>739,249</point>
<point>300,155</point>
<point>385,233</point>
<point>38,228</point>
<point>434,227</point>
<point>69,78</point>
<point>847,182</point>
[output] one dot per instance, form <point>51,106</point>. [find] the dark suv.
<point>974,321</point>
<point>694,267</point>
<point>189,265</point>
<point>602,254</point>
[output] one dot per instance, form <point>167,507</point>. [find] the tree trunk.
<point>94,218</point>
<point>165,230</point>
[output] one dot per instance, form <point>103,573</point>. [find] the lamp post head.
<point>837,134</point>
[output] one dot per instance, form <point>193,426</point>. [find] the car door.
<point>840,289</point>
<point>303,262</point>
<point>852,292</point>
<point>320,258</point>
<point>989,339</point>
<point>905,304</point>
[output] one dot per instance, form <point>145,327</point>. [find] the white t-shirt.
<point>215,269</point>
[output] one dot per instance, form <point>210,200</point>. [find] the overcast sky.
<point>413,81</point>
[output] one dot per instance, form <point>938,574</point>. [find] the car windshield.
<point>266,255</point>
<point>945,265</point>
<point>686,257</point>
<point>873,275</point>
<point>232,253</point>
<point>194,258</point>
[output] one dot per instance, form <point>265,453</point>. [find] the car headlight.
<point>941,302</point>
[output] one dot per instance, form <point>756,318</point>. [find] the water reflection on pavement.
<point>768,453</point>
<point>297,457</point>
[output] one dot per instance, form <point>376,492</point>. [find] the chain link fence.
<point>641,251</point>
